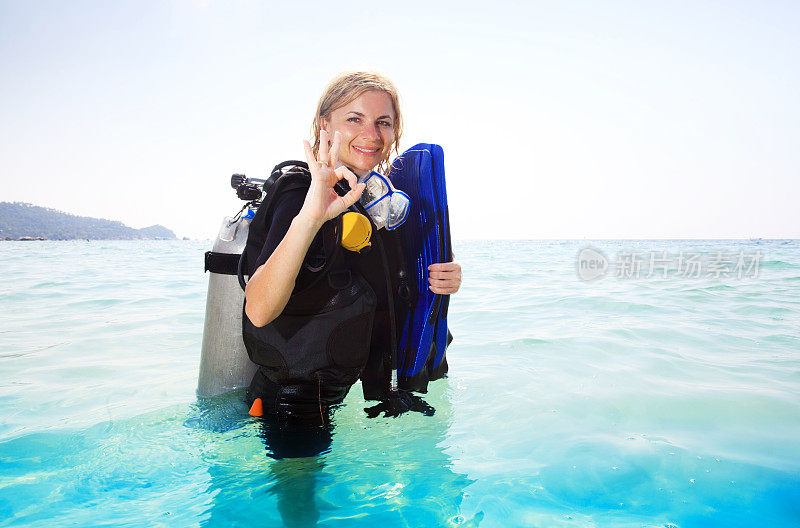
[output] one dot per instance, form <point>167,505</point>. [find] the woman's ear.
<point>323,124</point>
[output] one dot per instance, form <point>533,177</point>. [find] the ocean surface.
<point>665,392</point>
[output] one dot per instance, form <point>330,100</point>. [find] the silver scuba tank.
<point>224,363</point>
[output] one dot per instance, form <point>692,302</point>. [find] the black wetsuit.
<point>297,400</point>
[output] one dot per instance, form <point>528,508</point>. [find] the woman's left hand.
<point>445,277</point>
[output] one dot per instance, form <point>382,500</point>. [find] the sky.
<point>559,119</point>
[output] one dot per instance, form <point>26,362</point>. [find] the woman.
<point>328,308</point>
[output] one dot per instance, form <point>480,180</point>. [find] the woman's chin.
<point>359,170</point>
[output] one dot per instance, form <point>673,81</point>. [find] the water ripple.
<point>650,402</point>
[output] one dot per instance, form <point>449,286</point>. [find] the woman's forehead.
<point>371,103</point>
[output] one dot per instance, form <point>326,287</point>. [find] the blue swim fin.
<point>422,328</point>
<point>442,336</point>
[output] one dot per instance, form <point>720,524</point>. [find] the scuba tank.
<point>224,364</point>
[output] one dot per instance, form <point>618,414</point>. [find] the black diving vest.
<point>323,334</point>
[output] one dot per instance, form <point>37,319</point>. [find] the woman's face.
<point>366,126</point>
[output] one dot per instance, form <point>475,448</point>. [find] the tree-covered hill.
<point>18,220</point>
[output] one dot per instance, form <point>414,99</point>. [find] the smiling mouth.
<point>366,151</point>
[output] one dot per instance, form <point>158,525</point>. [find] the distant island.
<point>24,221</point>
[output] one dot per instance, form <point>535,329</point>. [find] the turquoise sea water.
<point>620,402</point>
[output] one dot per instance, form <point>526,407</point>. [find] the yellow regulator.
<point>356,231</point>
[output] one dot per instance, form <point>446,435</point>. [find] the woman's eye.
<point>382,123</point>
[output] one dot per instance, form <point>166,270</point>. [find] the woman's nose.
<point>371,133</point>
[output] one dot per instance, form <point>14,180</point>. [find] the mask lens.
<point>375,189</point>
<point>398,209</point>
<point>379,211</point>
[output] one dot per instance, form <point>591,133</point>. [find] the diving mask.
<point>387,206</point>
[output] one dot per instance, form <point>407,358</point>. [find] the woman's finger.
<point>353,195</point>
<point>454,281</point>
<point>323,147</point>
<point>357,190</point>
<point>312,163</point>
<point>350,177</point>
<point>444,275</point>
<point>337,141</point>
<point>444,267</point>
<point>439,283</point>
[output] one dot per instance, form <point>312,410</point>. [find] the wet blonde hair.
<point>345,88</point>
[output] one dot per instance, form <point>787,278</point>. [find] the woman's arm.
<point>271,285</point>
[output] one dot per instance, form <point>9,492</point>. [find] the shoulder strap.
<point>292,167</point>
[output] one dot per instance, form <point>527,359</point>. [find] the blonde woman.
<point>317,319</point>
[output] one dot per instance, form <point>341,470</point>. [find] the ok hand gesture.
<point>322,203</point>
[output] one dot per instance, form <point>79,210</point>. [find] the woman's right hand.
<point>270,287</point>
<point>322,203</point>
